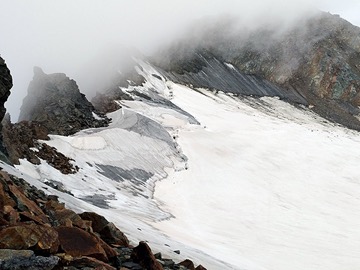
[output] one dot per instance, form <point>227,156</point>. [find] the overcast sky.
<point>65,35</point>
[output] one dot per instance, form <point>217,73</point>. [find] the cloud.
<point>65,35</point>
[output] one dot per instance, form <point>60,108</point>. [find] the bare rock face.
<point>55,102</point>
<point>5,86</point>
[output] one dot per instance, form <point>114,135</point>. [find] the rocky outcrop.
<point>5,86</point>
<point>315,62</point>
<point>55,102</point>
<point>21,141</point>
<point>107,230</point>
<point>39,232</point>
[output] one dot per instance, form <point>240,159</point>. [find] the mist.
<point>84,38</point>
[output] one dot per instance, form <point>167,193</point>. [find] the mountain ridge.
<point>290,60</point>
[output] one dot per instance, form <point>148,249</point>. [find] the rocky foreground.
<point>39,232</point>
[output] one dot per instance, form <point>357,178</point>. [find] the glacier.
<point>232,182</point>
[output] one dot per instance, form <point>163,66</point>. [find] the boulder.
<point>77,243</point>
<point>68,218</point>
<point>92,263</point>
<point>25,260</point>
<point>200,267</point>
<point>25,204</point>
<point>107,230</point>
<point>143,255</point>
<point>30,236</point>
<point>188,264</point>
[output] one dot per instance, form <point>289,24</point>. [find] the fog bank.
<point>72,36</point>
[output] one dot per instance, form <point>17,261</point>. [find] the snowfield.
<point>268,187</point>
<point>259,184</point>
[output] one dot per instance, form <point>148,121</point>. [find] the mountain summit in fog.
<point>313,62</point>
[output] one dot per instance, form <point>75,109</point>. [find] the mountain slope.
<point>204,158</point>
<point>260,178</point>
<point>315,61</point>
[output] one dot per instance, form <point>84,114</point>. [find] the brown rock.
<point>107,230</point>
<point>91,263</point>
<point>143,255</point>
<point>29,236</point>
<point>110,252</point>
<point>188,264</point>
<point>112,235</point>
<point>2,198</point>
<point>54,205</point>
<point>98,222</point>
<point>27,216</point>
<point>24,204</point>
<point>77,242</point>
<point>69,218</point>
<point>5,199</point>
<point>200,267</point>
<point>11,215</point>
<point>56,159</point>
<point>3,221</point>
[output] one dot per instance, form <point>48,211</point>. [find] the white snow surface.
<point>265,185</point>
<point>275,186</point>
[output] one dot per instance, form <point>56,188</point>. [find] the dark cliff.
<point>5,86</point>
<point>55,102</point>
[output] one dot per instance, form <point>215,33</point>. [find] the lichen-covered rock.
<point>29,236</point>
<point>55,101</point>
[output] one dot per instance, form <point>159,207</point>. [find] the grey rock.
<point>55,101</point>
<point>9,254</point>
<point>25,260</point>
<point>5,86</point>
<point>132,265</point>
